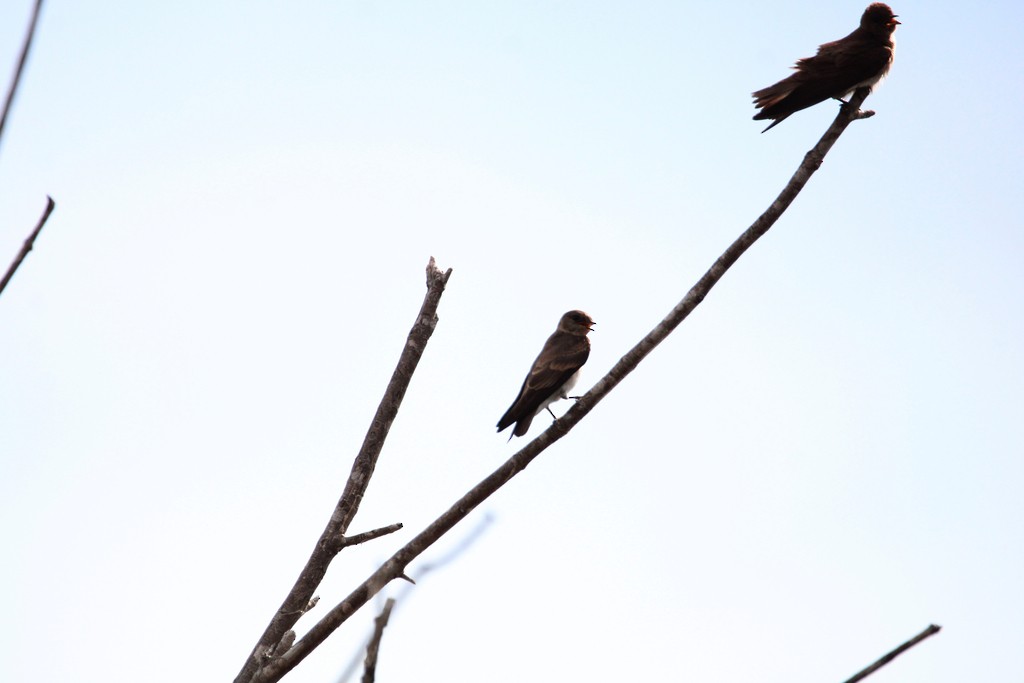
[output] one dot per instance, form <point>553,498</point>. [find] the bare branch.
<point>29,35</point>
<point>927,633</point>
<point>423,570</point>
<point>370,665</point>
<point>333,537</point>
<point>346,541</point>
<point>29,243</point>
<point>395,566</point>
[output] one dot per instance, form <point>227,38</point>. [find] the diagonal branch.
<point>29,243</point>
<point>423,570</point>
<point>395,566</point>
<point>927,633</point>
<point>29,34</point>
<point>333,537</point>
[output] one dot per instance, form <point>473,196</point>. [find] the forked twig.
<point>333,538</point>
<point>422,571</point>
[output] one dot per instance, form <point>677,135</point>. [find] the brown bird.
<point>554,373</point>
<point>860,59</point>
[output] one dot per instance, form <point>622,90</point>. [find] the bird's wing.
<point>830,73</point>
<point>846,68</point>
<point>553,368</point>
<point>513,414</point>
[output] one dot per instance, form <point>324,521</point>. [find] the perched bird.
<point>860,59</point>
<point>553,374</point>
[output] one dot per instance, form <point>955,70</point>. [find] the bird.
<point>554,373</point>
<point>861,59</point>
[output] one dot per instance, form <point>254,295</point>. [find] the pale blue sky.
<point>824,459</point>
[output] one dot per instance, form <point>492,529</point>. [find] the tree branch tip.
<point>347,541</point>
<point>333,536</point>
<point>407,578</point>
<point>433,272</point>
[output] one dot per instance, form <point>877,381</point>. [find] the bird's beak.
<point>591,328</point>
<point>893,22</point>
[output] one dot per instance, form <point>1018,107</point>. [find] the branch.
<point>27,246</point>
<point>29,34</point>
<point>395,566</point>
<point>370,666</point>
<point>333,537</point>
<point>346,541</point>
<point>927,633</point>
<point>424,569</point>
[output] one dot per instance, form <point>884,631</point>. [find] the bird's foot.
<point>859,114</point>
<point>553,416</point>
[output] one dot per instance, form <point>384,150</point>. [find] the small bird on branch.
<point>554,373</point>
<point>859,60</point>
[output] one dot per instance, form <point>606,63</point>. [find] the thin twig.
<point>395,566</point>
<point>333,537</point>
<point>927,633</point>
<point>29,34</point>
<point>27,246</point>
<point>423,570</point>
<point>372,650</point>
<point>370,535</point>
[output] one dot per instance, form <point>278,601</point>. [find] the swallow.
<point>554,373</point>
<point>859,60</point>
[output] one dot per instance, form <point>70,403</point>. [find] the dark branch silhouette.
<point>333,539</point>
<point>395,566</point>
<point>29,35</point>
<point>27,246</point>
<point>927,633</point>
<point>8,103</point>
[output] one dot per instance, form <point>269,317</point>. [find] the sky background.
<point>827,456</point>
